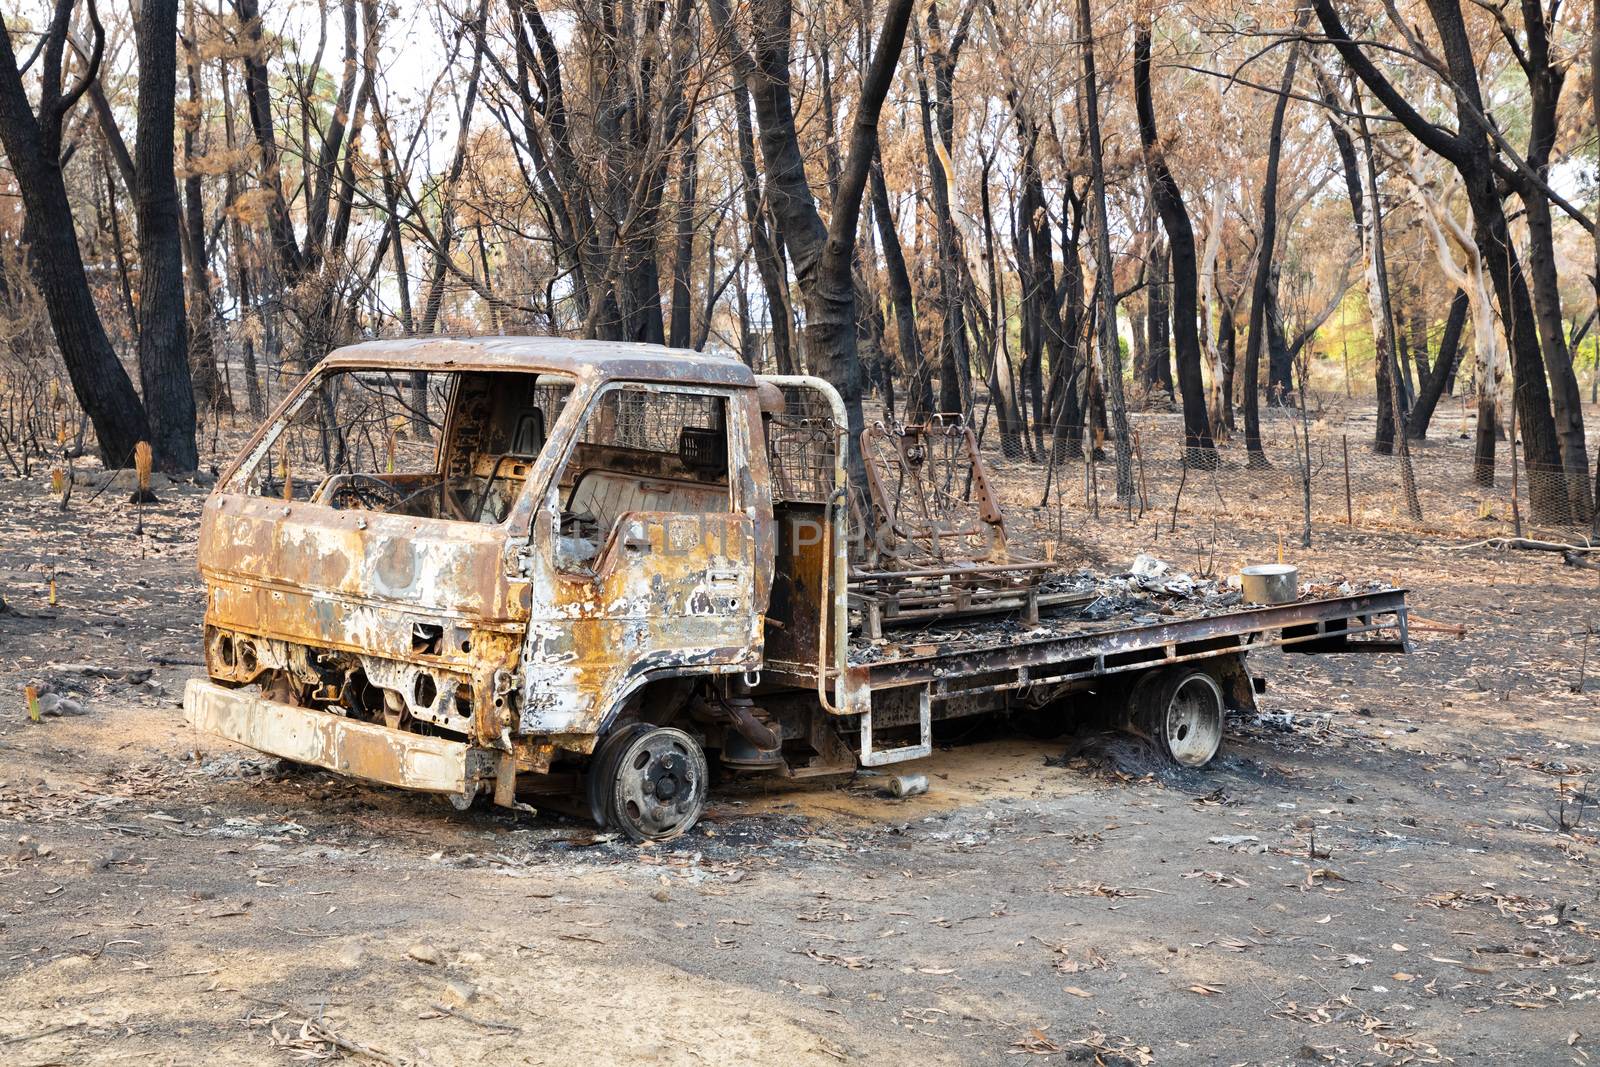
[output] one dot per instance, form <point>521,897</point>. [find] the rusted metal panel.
<point>321,739</point>
<point>431,565</point>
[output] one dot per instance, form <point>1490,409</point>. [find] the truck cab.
<point>443,561</point>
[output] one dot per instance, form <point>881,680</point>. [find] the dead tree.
<point>1110,364</point>
<point>32,141</point>
<point>1260,301</point>
<point>1468,149</point>
<point>823,255</point>
<point>1197,444</point>
<point>163,329</point>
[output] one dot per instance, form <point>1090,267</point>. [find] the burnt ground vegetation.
<point>1394,862</point>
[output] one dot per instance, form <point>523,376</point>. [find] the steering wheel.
<point>362,492</point>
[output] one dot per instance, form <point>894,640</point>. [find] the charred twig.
<point>505,1028</point>
<point>1583,660</point>
<point>1526,543</point>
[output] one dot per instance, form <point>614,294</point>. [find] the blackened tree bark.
<point>1259,294</point>
<point>1158,328</point>
<point>1443,370</point>
<point>1404,360</point>
<point>1047,299</point>
<point>938,133</point>
<point>258,100</point>
<point>1546,77</point>
<point>919,401</point>
<point>1040,302</point>
<point>1002,382</point>
<point>238,255</point>
<point>163,328</point>
<point>1419,340</point>
<point>1468,150</point>
<point>1065,332</point>
<point>32,142</point>
<point>433,300</point>
<point>683,244</point>
<point>763,237</point>
<point>1197,444</point>
<point>1594,279</point>
<point>1280,361</point>
<point>1384,329</point>
<point>1228,357</point>
<point>555,159</point>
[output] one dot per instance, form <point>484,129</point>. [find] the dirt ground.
<point>1372,872</point>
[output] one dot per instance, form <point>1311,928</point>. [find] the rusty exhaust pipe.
<point>742,714</point>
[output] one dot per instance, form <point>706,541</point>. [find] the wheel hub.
<point>666,776</point>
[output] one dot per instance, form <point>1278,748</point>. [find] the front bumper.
<point>362,750</point>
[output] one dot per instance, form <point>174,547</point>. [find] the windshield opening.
<point>454,445</point>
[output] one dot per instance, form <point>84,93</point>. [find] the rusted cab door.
<point>650,556</point>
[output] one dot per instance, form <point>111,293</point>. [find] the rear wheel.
<point>1181,711</point>
<point>649,782</point>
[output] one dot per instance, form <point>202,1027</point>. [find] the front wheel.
<point>651,783</point>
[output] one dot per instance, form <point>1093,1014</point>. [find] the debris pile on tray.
<point>1148,592</point>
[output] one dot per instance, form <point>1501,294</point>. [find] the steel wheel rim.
<point>659,785</point>
<point>1192,728</point>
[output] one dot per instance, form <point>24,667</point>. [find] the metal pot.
<point>1270,583</point>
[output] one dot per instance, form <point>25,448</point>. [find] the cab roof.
<point>593,360</point>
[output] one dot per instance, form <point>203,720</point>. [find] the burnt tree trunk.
<point>938,125</point>
<point>1228,356</point>
<point>1444,368</point>
<point>1280,359</point>
<point>919,389</point>
<point>238,256</point>
<point>1594,279</point>
<point>1199,449</point>
<point>1259,309</point>
<point>1545,81</point>
<point>683,244</point>
<point>763,239</point>
<point>1158,327</point>
<point>209,385</point>
<point>823,256</point>
<point>1002,382</point>
<point>1110,363</point>
<point>1065,336</point>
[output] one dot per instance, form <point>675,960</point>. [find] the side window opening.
<point>641,449</point>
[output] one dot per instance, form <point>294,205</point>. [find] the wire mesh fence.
<point>1340,479</point>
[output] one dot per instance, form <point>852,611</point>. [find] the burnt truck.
<point>599,572</point>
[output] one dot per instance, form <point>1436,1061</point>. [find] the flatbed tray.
<point>1069,647</point>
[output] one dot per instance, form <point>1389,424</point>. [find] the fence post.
<point>1349,514</point>
<point>1516,507</point>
